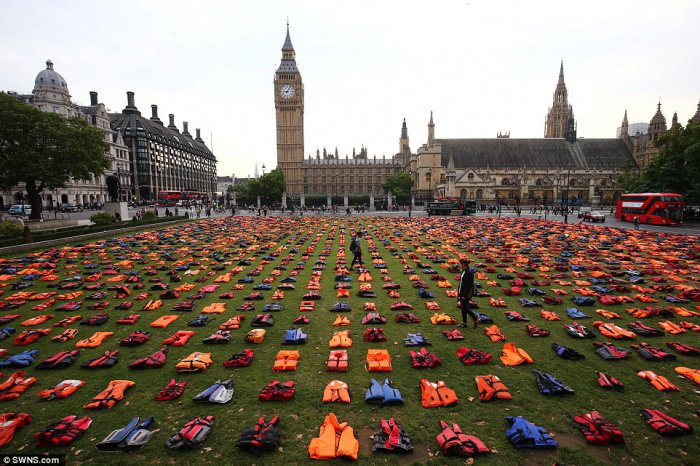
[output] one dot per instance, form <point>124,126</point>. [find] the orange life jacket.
<point>256,335</point>
<point>497,302</point>
<point>494,333</point>
<point>214,308</point>
<point>549,315</point>
<point>335,440</point>
<point>671,328</point>
<point>442,319</point>
<point>68,334</point>
<point>692,374</point>
<point>180,338</point>
<point>608,314</point>
<point>62,390</point>
<point>195,362</point>
<point>340,340</point>
<point>378,360</point>
<point>514,356</point>
<point>164,321</point>
<point>613,331</point>
<point>286,360</point>
<point>336,392</point>
<point>490,387</point>
<point>232,324</point>
<point>152,305</point>
<point>111,395</point>
<point>341,320</point>
<point>30,336</point>
<point>436,394</point>
<point>337,361</point>
<point>660,382</point>
<point>36,320</point>
<point>15,385</point>
<point>94,341</point>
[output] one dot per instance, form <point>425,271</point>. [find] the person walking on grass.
<point>465,292</point>
<point>356,250</point>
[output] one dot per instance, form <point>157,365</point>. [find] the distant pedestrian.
<point>636,223</point>
<point>356,250</point>
<point>466,291</point>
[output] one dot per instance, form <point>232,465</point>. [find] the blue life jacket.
<point>524,434</point>
<point>423,293</point>
<point>23,359</point>
<point>5,332</point>
<point>415,339</point>
<point>583,300</point>
<point>199,321</point>
<point>375,392</point>
<point>262,286</point>
<point>567,353</point>
<point>526,302</point>
<point>272,307</point>
<point>294,336</point>
<point>483,318</point>
<point>576,314</point>
<point>548,385</point>
<point>392,395</point>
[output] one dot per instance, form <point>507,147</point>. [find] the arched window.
<point>470,176</point>
<point>463,194</point>
<point>505,182</point>
<point>479,194</point>
<point>539,182</point>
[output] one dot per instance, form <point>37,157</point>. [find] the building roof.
<point>50,78</point>
<point>160,133</point>
<point>534,153</point>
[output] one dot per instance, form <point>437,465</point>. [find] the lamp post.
<point>545,205</point>
<point>566,208</point>
<point>498,207</point>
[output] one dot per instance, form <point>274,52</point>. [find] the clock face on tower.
<point>287,91</point>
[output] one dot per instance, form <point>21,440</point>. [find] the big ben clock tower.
<point>289,113</point>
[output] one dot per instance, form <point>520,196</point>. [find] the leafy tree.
<point>43,150</point>
<point>272,185</point>
<point>399,184</point>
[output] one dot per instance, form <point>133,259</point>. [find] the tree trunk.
<point>34,200</point>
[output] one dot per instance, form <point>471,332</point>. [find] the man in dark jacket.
<point>465,292</point>
<point>356,249</point>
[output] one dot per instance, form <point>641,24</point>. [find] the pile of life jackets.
<point>436,394</point>
<point>241,359</point>
<point>336,392</point>
<point>597,430</point>
<point>548,385</point>
<point>391,437</point>
<point>195,362</point>
<point>514,356</point>
<point>264,436</point>
<point>277,391</point>
<point>172,391</point>
<point>340,340</point>
<point>63,432</point>
<point>383,393</point>
<point>193,434</point>
<point>471,357</point>
<point>104,361</point>
<point>378,360</point>
<point>335,440</point>
<point>111,395</point>
<point>424,359</point>
<point>15,385</point>
<point>337,361</point>
<point>606,380</point>
<point>9,423</point>
<point>286,361</point>
<point>524,434</point>
<point>664,424</point>
<point>659,381</point>
<point>491,388</point>
<point>452,441</point>
<point>62,390</point>
<point>59,360</point>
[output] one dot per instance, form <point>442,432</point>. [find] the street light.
<point>566,208</point>
<point>545,206</point>
<point>498,201</point>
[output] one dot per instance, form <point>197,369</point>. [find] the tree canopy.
<point>399,184</point>
<point>675,169</point>
<point>269,187</point>
<point>44,150</point>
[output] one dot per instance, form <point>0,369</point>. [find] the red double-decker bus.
<point>169,198</point>
<point>651,208</point>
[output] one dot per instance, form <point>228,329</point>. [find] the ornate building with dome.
<point>50,94</point>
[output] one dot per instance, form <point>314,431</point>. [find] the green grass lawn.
<point>223,243</point>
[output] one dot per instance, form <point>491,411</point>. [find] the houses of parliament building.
<point>559,168</point>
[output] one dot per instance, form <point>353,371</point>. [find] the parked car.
<point>583,210</point>
<point>594,217</point>
<point>20,209</point>
<point>70,207</point>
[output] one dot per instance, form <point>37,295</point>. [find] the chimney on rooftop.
<point>172,123</point>
<point>93,98</point>
<point>199,136</point>
<point>154,114</point>
<point>130,106</point>
<point>184,129</point>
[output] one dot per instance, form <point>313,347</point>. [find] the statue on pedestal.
<point>113,188</point>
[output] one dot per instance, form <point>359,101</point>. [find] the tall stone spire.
<point>696,117</point>
<point>657,125</point>
<point>560,113</point>
<point>403,142</point>
<point>625,128</point>
<point>431,131</point>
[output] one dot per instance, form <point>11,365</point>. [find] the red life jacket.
<point>535,331</point>
<point>424,359</point>
<point>153,361</point>
<point>63,432</point>
<point>453,442</point>
<point>108,359</point>
<point>193,434</point>
<point>606,380</point>
<point>665,424</point>
<point>172,391</point>
<point>62,390</point>
<point>277,391</point>
<point>241,359</point>
<point>9,423</point>
<point>597,430</point>
<point>264,436</point>
<point>407,318</point>
<point>59,360</point>
<point>136,339</point>
<point>302,319</point>
<point>453,334</point>
<point>374,334</point>
<point>683,348</point>
<point>471,356</point>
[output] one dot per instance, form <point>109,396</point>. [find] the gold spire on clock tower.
<point>289,116</point>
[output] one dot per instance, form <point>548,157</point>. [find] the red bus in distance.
<point>651,208</point>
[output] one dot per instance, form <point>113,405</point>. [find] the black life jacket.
<point>185,306</point>
<point>193,434</point>
<point>653,354</point>
<point>277,391</point>
<point>153,361</point>
<point>199,321</point>
<point>108,359</point>
<point>264,436</point>
<point>219,337</point>
<point>242,359</point>
<point>59,360</point>
<point>97,319</point>
<point>263,320</point>
<point>644,330</point>
<point>391,437</point>
<point>548,385</point>
<point>597,430</point>
<point>610,351</point>
<point>172,391</point>
<point>606,380</point>
<point>567,353</point>
<point>123,306</point>
<point>665,424</point>
<point>373,318</point>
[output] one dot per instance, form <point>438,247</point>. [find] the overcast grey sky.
<point>481,66</point>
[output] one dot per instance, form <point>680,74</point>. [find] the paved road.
<point>573,219</point>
